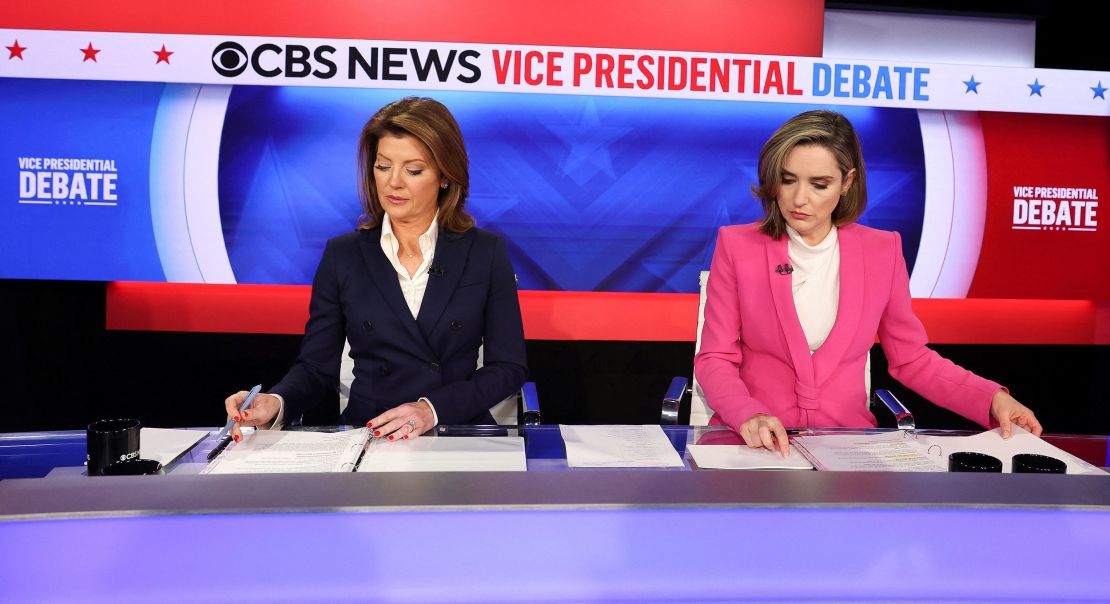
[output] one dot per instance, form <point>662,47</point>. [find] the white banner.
<point>237,60</point>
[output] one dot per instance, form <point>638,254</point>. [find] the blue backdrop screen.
<point>593,193</point>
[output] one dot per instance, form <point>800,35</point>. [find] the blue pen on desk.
<point>222,438</point>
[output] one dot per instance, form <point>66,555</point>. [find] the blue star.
<point>1100,91</point>
<point>972,85</point>
<point>1035,87</point>
<point>589,146</point>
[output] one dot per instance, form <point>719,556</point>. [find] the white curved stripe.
<point>167,183</point>
<point>955,204</point>
<point>202,187</point>
<point>936,225</point>
<point>969,162</point>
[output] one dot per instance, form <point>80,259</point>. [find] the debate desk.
<point>551,534</point>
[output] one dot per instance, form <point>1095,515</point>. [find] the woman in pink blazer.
<point>794,303</point>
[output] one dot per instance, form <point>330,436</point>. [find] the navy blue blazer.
<point>471,300</point>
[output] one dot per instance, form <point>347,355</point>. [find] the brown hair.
<point>428,121</point>
<point>827,129</point>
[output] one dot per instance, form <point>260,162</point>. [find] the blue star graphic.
<point>1035,87</point>
<point>588,144</point>
<point>972,85</point>
<point>1100,91</point>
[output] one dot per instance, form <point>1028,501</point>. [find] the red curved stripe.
<point>283,309</point>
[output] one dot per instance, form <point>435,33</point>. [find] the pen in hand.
<point>222,438</point>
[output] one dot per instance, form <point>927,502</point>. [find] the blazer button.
<point>434,367</point>
<point>367,326</point>
<point>456,325</point>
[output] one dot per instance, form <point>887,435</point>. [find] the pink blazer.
<point>754,357</point>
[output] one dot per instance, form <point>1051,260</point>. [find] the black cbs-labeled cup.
<point>135,467</point>
<point>966,461</point>
<point>109,441</point>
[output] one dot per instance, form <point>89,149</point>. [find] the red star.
<point>90,53</point>
<point>16,51</point>
<point>163,55</point>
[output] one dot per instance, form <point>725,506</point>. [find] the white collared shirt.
<point>413,287</point>
<point>816,284</point>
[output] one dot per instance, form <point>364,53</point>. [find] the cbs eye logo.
<point>230,59</point>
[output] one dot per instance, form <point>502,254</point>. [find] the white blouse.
<point>816,284</point>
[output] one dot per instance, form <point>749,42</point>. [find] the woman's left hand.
<point>1006,410</point>
<point>403,422</point>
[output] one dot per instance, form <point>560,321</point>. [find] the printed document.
<point>1020,441</point>
<point>743,457</point>
<point>277,451</point>
<point>446,454</point>
<point>619,447</point>
<point>882,452</point>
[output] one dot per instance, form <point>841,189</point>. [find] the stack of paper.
<point>446,454</point>
<point>619,446</point>
<point>275,451</point>
<point>1020,441</point>
<point>743,457</point>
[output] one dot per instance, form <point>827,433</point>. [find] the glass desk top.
<point>38,454</point>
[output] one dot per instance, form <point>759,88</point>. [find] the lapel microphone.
<point>784,269</point>
<point>436,270</point>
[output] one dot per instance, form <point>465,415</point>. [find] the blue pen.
<point>231,422</point>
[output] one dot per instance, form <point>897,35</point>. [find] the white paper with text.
<point>619,447</point>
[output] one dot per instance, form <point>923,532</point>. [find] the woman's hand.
<point>262,411</point>
<point>1006,410</point>
<point>403,422</point>
<point>762,431</point>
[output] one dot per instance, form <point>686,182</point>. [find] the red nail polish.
<point>236,418</point>
<point>377,432</point>
<point>236,437</point>
<point>246,414</point>
<point>390,437</point>
<point>406,437</point>
<point>369,424</point>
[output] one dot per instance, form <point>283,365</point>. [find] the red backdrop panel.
<point>1047,151</point>
<point>782,27</point>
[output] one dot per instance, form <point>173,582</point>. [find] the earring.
<point>444,185</point>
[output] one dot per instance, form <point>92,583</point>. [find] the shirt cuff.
<point>276,424</point>
<point>435,416</point>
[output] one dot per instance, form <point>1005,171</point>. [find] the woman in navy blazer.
<point>416,290</point>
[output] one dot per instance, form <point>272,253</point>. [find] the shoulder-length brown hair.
<point>428,121</point>
<point>828,129</point>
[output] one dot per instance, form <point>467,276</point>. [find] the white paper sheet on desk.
<point>1020,441</point>
<point>881,452</point>
<point>166,445</point>
<point>743,457</point>
<point>278,451</point>
<point>619,447</point>
<point>446,454</point>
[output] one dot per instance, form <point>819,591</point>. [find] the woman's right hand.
<point>763,431</point>
<point>262,411</point>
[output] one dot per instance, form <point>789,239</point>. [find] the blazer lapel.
<point>783,294</point>
<point>849,306</point>
<point>447,267</point>
<point>384,277</point>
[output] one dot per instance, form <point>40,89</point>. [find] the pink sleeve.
<point>920,368</point>
<point>717,363</point>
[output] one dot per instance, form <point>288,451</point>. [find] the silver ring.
<point>411,424</point>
